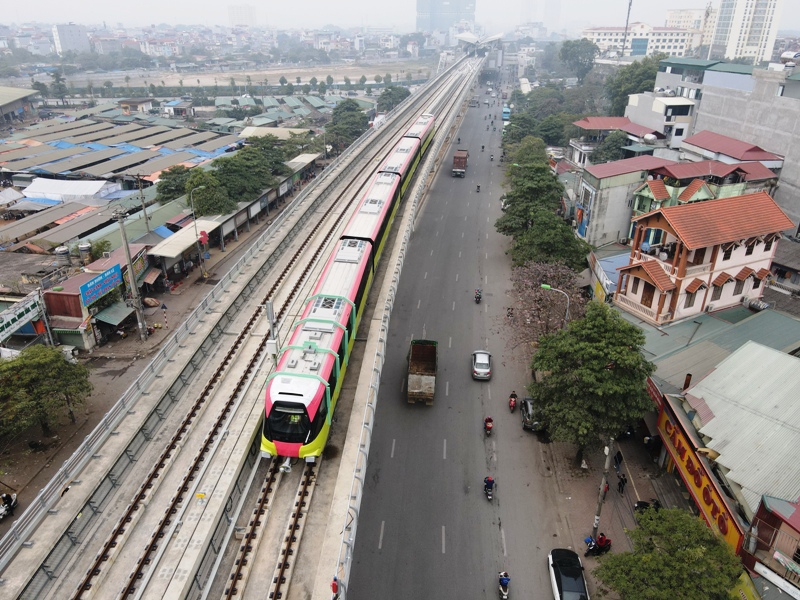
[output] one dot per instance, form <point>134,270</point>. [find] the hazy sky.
<point>495,15</point>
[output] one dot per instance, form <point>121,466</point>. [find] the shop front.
<point>685,454</point>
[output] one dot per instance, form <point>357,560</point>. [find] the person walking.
<point>622,481</point>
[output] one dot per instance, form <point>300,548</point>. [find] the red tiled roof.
<point>691,189</point>
<point>729,146</point>
<point>722,279</point>
<point>756,171</point>
<point>657,274</point>
<point>639,130</point>
<point>695,285</point>
<point>658,189</point>
<point>712,222</point>
<point>744,273</point>
<point>627,165</point>
<point>762,273</point>
<point>702,168</point>
<point>602,122</point>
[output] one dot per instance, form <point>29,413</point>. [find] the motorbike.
<point>487,128</point>
<point>503,584</point>
<point>478,296</point>
<point>7,505</point>
<point>512,403</point>
<point>643,505</point>
<point>479,188</point>
<point>595,547</point>
<point>488,425</point>
<point>491,157</point>
<point>482,148</point>
<point>489,491</point>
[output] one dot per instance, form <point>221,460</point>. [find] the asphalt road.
<point>426,529</point>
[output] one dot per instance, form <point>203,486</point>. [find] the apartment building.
<point>702,19</point>
<point>746,29</point>
<point>644,40</point>
<point>70,38</point>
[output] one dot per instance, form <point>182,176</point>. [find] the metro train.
<point>302,392</point>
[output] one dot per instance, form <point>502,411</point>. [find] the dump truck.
<point>422,371</point>
<point>460,163</point>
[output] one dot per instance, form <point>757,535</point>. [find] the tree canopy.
<point>172,183</point>
<point>635,78</point>
<point>610,149</point>
<point>348,122</point>
<point>579,56</point>
<point>391,97</point>
<point>213,199</point>
<point>39,387</point>
<point>675,555</point>
<point>594,382</point>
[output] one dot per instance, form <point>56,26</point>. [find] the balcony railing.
<point>698,269</point>
<point>774,548</point>
<point>646,313</point>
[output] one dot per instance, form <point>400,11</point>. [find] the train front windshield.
<point>288,422</point>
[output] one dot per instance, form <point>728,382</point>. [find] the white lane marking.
<point>459,254</point>
<point>485,280</point>
<point>487,342</point>
<point>462,235</point>
<point>486,308</point>
<point>487,236</point>
<point>424,329</point>
<point>393,443</point>
<point>487,256</point>
<point>449,342</point>
<point>487,219</point>
<point>437,233</point>
<point>419,302</point>
<point>443,539</point>
<point>503,539</point>
<point>446,388</point>
<point>494,451</point>
<point>456,276</point>
<point>444,452</point>
<point>489,391</point>
<point>380,538</point>
<point>431,252</point>
<point>454,305</point>
<point>467,203</point>
<point>426,275</point>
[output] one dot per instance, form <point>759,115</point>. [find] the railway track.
<point>240,364</point>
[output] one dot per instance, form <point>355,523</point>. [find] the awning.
<point>152,274</point>
<point>114,314</point>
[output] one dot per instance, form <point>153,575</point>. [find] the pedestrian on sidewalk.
<point>618,461</point>
<point>622,481</point>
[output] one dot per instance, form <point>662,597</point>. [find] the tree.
<point>306,89</point>
<point>59,87</point>
<point>244,175</point>
<point>555,129</point>
<point>594,378</point>
<point>329,80</point>
<point>387,79</point>
<point>347,84</point>
<point>391,97</point>
<point>610,149</point>
<point>536,311</point>
<point>579,56</point>
<point>172,183</point>
<point>378,78</point>
<point>348,122</point>
<point>38,387</point>
<point>289,89</point>
<point>322,89</point>
<point>213,199</point>
<point>313,82</point>
<point>41,88</point>
<point>409,77</point>
<point>108,84</point>
<point>297,80</point>
<point>635,78</point>
<point>549,239</point>
<point>99,248</point>
<point>283,81</point>
<point>362,80</point>
<point>675,555</point>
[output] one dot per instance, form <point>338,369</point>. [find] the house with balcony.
<point>663,112</point>
<point>603,197</point>
<point>599,128</point>
<point>711,255</point>
<point>707,145</point>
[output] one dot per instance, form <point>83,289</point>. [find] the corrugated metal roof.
<point>753,395</point>
<point>84,160</point>
<point>47,136</point>
<point>104,134</point>
<point>723,144</point>
<point>162,162</point>
<point>23,228</point>
<point>292,102</point>
<point>44,159</point>
<point>117,164</point>
<point>314,101</point>
<point>192,140</point>
<point>12,94</point>
<point>179,242</point>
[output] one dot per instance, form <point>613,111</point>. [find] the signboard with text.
<point>99,286</point>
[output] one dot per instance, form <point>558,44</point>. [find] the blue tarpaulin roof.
<point>163,231</point>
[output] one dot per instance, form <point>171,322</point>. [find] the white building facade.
<point>746,29</point>
<point>645,40</point>
<point>70,38</point>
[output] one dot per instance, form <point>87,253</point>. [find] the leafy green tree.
<point>109,85</point>
<point>283,81</point>
<point>274,152</point>
<point>245,175</point>
<point>594,381</point>
<point>58,88</point>
<point>290,89</point>
<point>313,81</point>
<point>329,80</point>
<point>579,56</point>
<point>610,149</point>
<point>306,89</point>
<point>99,247</point>
<point>391,97</point>
<point>387,79</point>
<point>322,89</point>
<point>347,83</point>
<point>409,77</point>
<point>41,88</point>
<point>363,80</point>
<point>548,239</point>
<point>555,129</point>
<point>348,122</point>
<point>172,183</point>
<point>378,78</point>
<point>213,199</point>
<point>297,80</point>
<point>635,78</point>
<point>675,555</point>
<point>38,388</point>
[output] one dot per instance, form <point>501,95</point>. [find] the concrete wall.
<point>763,118</point>
<point>611,212</point>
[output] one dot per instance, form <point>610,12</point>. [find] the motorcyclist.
<point>479,188</point>
<point>602,540</point>
<point>478,293</point>
<point>481,148</point>
<point>488,484</point>
<point>491,157</point>
<point>504,579</point>
<point>459,140</point>
<point>488,421</point>
<point>513,395</point>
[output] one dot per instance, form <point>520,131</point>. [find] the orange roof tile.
<point>660,279</point>
<point>762,273</point>
<point>695,285</point>
<point>722,279</point>
<point>729,146</point>
<point>691,189</point>
<point>658,189</point>
<point>712,222</point>
<point>744,273</point>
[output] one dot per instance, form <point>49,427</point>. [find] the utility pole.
<point>609,450</point>
<point>625,37</point>
<point>137,301</point>
<point>144,206</point>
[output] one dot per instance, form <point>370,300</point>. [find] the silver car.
<point>481,365</point>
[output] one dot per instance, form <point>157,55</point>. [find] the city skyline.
<point>494,17</point>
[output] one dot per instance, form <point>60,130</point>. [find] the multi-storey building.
<point>439,15</point>
<point>645,40</point>
<point>664,112</point>
<point>713,254</point>
<point>596,130</point>
<point>746,29</point>
<point>702,19</point>
<point>242,15</point>
<point>70,38</point>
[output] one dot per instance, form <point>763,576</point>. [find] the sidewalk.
<point>578,491</point>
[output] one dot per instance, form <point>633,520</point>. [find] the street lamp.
<point>196,234</point>
<point>544,286</point>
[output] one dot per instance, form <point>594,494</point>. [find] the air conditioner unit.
<point>745,300</point>
<point>709,307</point>
<point>624,241</point>
<point>93,311</point>
<point>106,254</point>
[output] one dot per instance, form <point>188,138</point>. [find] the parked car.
<point>566,575</point>
<point>481,365</point>
<point>531,415</point>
